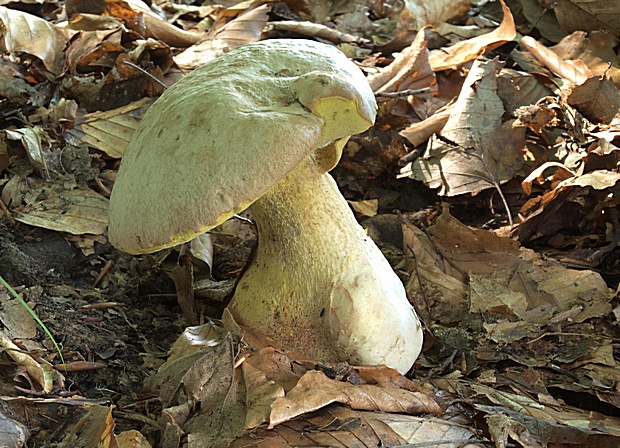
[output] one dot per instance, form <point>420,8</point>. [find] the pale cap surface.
<point>225,134</point>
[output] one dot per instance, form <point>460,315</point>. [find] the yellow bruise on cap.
<point>341,117</point>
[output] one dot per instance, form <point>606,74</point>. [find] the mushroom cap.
<point>222,136</point>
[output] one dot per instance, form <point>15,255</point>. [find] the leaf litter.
<point>515,274</point>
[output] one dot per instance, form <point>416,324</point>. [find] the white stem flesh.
<point>318,284</point>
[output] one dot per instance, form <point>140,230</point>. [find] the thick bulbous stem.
<point>318,284</point>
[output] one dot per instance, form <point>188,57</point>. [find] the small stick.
<point>102,187</point>
<point>8,214</point>
<point>103,272</point>
<point>317,30</point>
<point>403,93</point>
<point>140,69</point>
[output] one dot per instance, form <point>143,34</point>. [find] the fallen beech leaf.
<point>476,149</point>
<point>42,371</point>
<point>555,176</point>
<point>138,17</point>
<point>335,426</point>
<point>366,209</point>
<point>418,13</point>
<point>315,390</point>
<point>418,133</point>
<point>421,431</point>
<point>246,28</point>
<point>260,394</point>
<point>461,274</point>
<point>34,139</point>
<point>575,72</point>
<point>94,428</point>
<point>18,322</point>
<point>410,69</point>
<point>76,211</point>
<point>540,15</point>
<point>598,99</point>
<point>26,33</point>
<point>594,49</point>
<point>588,15</point>
<point>110,131</point>
<point>470,49</point>
<point>132,439</point>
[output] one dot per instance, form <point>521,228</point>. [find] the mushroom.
<point>262,125</point>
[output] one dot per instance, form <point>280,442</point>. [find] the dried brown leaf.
<point>335,426</point>
<point>594,49</point>
<point>418,13</point>
<point>41,371</point>
<point>410,69</point>
<point>315,390</point>
<point>78,211</point>
<point>26,33</point>
<point>260,394</point>
<point>94,428</point>
<point>588,15</point>
<point>110,131</point>
<point>246,28</point>
<point>468,50</point>
<point>476,149</point>
<point>597,99</point>
<point>575,72</point>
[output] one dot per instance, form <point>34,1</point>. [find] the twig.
<point>140,69</point>
<point>597,256</point>
<point>103,272</point>
<point>316,30</point>
<point>440,442</point>
<point>6,211</point>
<point>139,418</point>
<point>440,368</point>
<point>403,93</point>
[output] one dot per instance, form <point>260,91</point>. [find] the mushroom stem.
<point>318,284</point>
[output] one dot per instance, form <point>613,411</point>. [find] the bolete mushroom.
<point>262,125</point>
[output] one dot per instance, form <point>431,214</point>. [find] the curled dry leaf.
<point>416,14</point>
<point>476,149</point>
<point>575,72</point>
<point>410,69</point>
<point>26,33</point>
<point>36,142</point>
<point>315,390</point>
<point>41,371</point>
<point>595,49</point>
<point>468,50</point>
<point>247,27</point>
